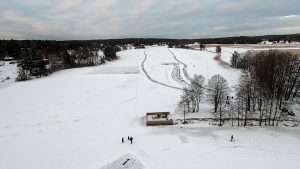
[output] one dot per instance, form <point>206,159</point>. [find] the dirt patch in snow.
<point>220,61</point>
<point>170,63</point>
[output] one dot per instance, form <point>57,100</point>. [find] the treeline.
<point>270,80</point>
<point>38,58</point>
<point>12,48</point>
<point>224,40</point>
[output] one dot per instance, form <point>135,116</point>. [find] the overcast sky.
<point>102,19</point>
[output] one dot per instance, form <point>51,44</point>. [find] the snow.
<point>76,118</point>
<point>8,74</point>
<point>100,53</point>
<point>227,53</point>
<point>157,68</point>
<point>202,62</point>
<point>126,161</point>
<point>116,70</point>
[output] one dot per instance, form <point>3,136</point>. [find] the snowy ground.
<point>203,63</point>
<point>8,74</point>
<point>76,119</point>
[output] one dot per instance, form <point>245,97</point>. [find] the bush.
<point>23,75</point>
<point>218,49</point>
<point>110,53</point>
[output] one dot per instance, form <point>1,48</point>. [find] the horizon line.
<point>156,38</point>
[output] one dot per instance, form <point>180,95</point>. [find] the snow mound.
<point>117,70</point>
<point>126,161</point>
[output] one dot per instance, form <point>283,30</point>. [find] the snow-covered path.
<point>164,60</point>
<point>76,119</point>
<point>176,75</point>
<point>155,81</point>
<point>184,69</point>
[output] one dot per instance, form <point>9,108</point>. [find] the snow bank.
<point>126,161</point>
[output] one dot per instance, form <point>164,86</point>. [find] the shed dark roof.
<point>155,113</point>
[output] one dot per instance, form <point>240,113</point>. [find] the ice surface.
<point>75,120</point>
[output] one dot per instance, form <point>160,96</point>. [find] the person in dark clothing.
<point>231,138</point>
<point>131,139</point>
<point>128,138</point>
<point>122,139</point>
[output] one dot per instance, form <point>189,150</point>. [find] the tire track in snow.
<point>227,51</point>
<point>184,70</point>
<point>151,79</point>
<point>177,76</point>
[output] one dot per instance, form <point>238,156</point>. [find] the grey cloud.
<point>95,19</point>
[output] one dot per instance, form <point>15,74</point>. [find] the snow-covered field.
<point>203,63</point>
<point>76,119</point>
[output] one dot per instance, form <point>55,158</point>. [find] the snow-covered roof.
<point>100,53</point>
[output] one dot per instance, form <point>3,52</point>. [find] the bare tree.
<point>23,74</point>
<point>185,101</point>
<point>218,49</point>
<point>197,87</point>
<point>244,93</point>
<point>202,46</point>
<point>217,91</point>
<point>234,59</point>
<point>192,95</point>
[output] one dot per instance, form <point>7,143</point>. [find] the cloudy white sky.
<point>101,19</point>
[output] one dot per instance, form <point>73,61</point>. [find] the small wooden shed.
<point>158,118</point>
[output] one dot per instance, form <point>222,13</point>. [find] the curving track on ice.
<point>151,79</point>
<point>184,70</point>
<point>176,75</point>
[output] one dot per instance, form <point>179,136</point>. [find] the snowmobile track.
<point>151,79</point>
<point>176,75</point>
<point>184,70</point>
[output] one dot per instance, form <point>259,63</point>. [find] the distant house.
<point>8,58</point>
<point>158,118</point>
<point>265,42</point>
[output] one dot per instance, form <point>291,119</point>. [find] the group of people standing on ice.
<point>128,138</point>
